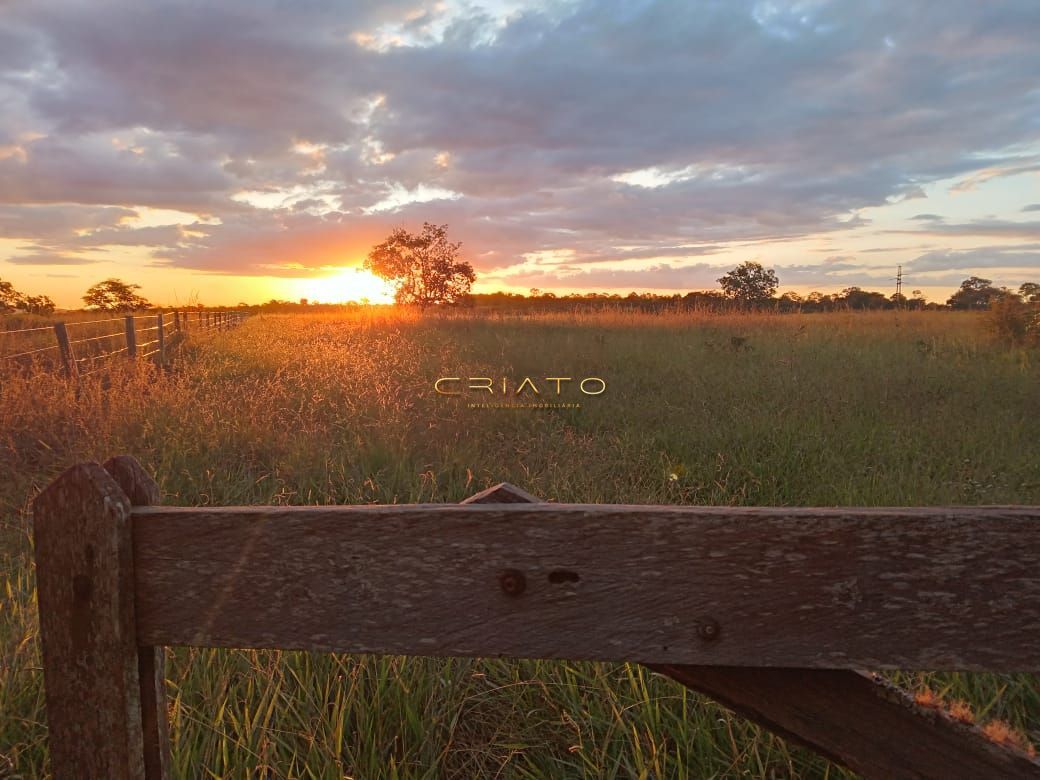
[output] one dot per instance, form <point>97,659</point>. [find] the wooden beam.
<point>952,588</point>
<point>141,490</point>
<point>85,587</point>
<point>854,719</point>
<point>858,720</point>
<point>502,493</point>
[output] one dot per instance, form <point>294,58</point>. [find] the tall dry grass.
<point>843,409</point>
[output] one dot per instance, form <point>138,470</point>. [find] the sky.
<point>250,150</point>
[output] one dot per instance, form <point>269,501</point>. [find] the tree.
<point>974,293</point>
<point>424,267</point>
<point>1030,292</point>
<point>750,283</point>
<point>36,304</point>
<point>856,298</point>
<point>9,297</point>
<point>114,295</point>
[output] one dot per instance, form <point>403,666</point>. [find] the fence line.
<point>169,328</point>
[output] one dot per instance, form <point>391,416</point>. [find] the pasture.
<point>892,408</point>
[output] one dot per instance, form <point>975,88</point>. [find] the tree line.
<point>426,271</point>
<point>111,295</point>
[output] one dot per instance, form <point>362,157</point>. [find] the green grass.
<point>842,409</point>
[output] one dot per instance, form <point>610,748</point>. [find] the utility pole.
<point>899,282</point>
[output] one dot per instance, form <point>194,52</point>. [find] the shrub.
<point>1013,322</point>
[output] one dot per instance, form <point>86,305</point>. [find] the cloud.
<point>983,227</point>
<point>50,258</point>
<point>309,133</point>
<point>969,260</point>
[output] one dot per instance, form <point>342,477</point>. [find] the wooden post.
<point>207,320</point>
<point>85,586</point>
<point>176,320</point>
<point>68,359</point>
<point>160,355</point>
<point>142,490</point>
<point>131,337</point>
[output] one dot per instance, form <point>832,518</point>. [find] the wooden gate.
<point>769,611</point>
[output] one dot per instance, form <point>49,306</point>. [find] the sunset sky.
<point>234,152</point>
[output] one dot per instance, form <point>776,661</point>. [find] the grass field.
<point>840,409</point>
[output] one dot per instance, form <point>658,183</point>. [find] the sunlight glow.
<point>348,284</point>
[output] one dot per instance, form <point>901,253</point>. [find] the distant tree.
<point>425,267</point>
<point>974,293</point>
<point>9,297</point>
<point>1030,292</point>
<point>36,304</point>
<point>114,295</point>
<point>856,298</point>
<point>790,301</point>
<point>750,283</point>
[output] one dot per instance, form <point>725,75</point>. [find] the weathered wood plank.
<point>142,490</point>
<point>85,586</point>
<point>849,717</point>
<point>859,721</point>
<point>954,588</point>
<point>502,493</point>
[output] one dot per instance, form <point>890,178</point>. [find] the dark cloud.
<point>983,227</point>
<point>616,131</point>
<point>50,258</point>
<point>969,260</point>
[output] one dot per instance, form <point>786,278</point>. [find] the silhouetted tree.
<point>114,295</point>
<point>750,283</point>
<point>1030,292</point>
<point>36,304</point>
<point>425,267</point>
<point>974,293</point>
<point>9,297</point>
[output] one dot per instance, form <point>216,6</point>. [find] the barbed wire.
<point>29,352</point>
<point>96,338</point>
<point>92,322</point>
<point>26,330</point>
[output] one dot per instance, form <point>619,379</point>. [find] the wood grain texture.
<point>852,718</point>
<point>502,493</point>
<point>859,721</point>
<point>142,490</point>
<point>949,588</point>
<point>85,586</point>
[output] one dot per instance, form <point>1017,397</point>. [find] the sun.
<point>348,284</point>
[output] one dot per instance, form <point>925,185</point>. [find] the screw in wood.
<point>708,629</point>
<point>513,582</point>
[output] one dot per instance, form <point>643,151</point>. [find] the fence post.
<point>176,320</point>
<point>131,337</point>
<point>160,354</point>
<point>85,590</point>
<point>68,359</point>
<point>142,490</point>
<point>207,320</point>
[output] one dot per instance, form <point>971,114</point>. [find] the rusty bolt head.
<point>708,629</point>
<point>513,582</point>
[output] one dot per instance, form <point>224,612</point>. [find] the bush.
<point>1013,322</point>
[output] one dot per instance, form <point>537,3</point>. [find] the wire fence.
<point>137,337</point>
